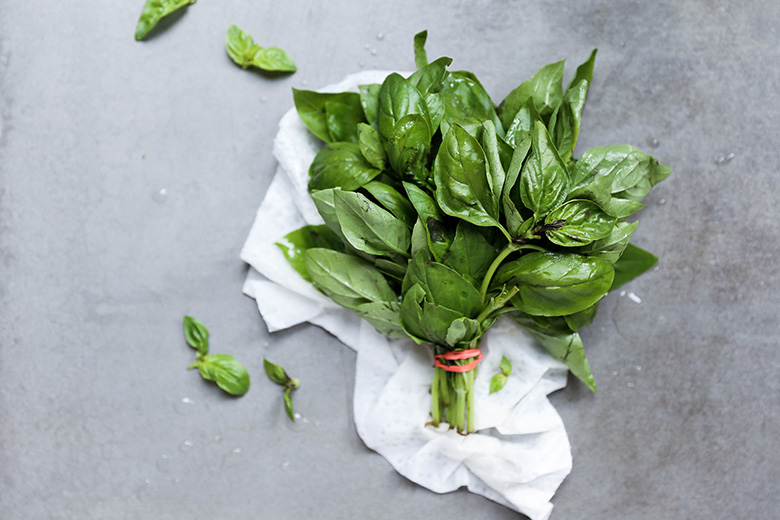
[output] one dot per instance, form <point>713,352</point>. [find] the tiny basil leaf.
<point>275,373</point>
<point>371,146</point>
<point>197,334</point>
<point>544,181</point>
<point>229,374</point>
<point>576,223</point>
<point>346,275</point>
<point>462,331</point>
<point>288,404</point>
<point>497,382</point>
<point>312,110</point>
<point>368,227</point>
<point>631,264</point>
<point>505,366</point>
<point>340,165</point>
<point>295,244</point>
<point>544,88</point>
<point>240,46</point>
<point>154,11</point>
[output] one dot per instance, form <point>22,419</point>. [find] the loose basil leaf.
<point>346,275</point>
<point>196,334</point>
<point>240,46</point>
<point>505,366</point>
<point>275,373</point>
<point>340,165</point>
<point>460,174</point>
<point>510,197</point>
<point>369,228</point>
<point>398,98</point>
<point>544,181</point>
<point>544,88</point>
<point>312,110</point>
<point>295,244</point>
<point>273,59</point>
<point>554,284</point>
<point>154,11</point>
<point>439,237</point>
<point>369,100</point>
<point>470,254</point>
<point>467,104</point>
<point>496,172</point>
<point>576,223</point>
<point>497,382</point>
<point>580,320</point>
<point>408,145</point>
<point>229,374</point>
<point>611,247</point>
<point>429,77</point>
<point>385,317</point>
<point>522,124</point>
<point>371,146</point>
<point>288,404</point>
<point>420,57</point>
<point>342,120</point>
<point>631,264</point>
<point>443,286</point>
<point>396,203</point>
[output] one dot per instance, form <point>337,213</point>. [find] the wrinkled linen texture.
<point>519,454</point>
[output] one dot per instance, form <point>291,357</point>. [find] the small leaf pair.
<point>278,375</point>
<point>230,375</point>
<point>498,381</point>
<point>243,50</point>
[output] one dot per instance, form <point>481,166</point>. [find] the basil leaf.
<point>288,404</point>
<point>229,374</point>
<point>385,318</point>
<point>312,110</point>
<point>419,237</point>
<point>342,120</point>
<point>273,59</point>
<point>196,334</point>
<point>240,46</point>
<point>576,223</point>
<point>505,366</point>
<point>611,247</point>
<point>544,181</point>
<point>390,269</point>
<point>466,103</point>
<point>522,124</point>
<point>580,320</point>
<point>565,121</point>
<point>420,57</point>
<point>326,207</point>
<point>439,237</point>
<point>496,172</point>
<point>346,275</point>
<point>371,146</point>
<point>510,197</point>
<point>626,165</point>
<point>435,102</point>
<point>275,373</point>
<point>461,332</point>
<point>443,286</point>
<point>554,284</point>
<point>497,382</point>
<point>631,264</point>
<point>398,98</point>
<point>407,147</point>
<point>295,244</point>
<point>340,165</point>
<point>154,11</point>
<point>396,203</point>
<point>369,100</point>
<point>470,254</point>
<point>460,174</point>
<point>429,77</point>
<point>544,88</point>
<point>368,227</point>
<point>423,320</point>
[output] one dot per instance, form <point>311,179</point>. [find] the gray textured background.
<point>97,267</point>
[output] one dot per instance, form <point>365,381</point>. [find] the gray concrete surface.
<point>97,267</point>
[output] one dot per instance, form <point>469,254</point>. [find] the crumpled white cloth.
<point>520,453</point>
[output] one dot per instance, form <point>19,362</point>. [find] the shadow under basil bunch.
<point>443,212</point>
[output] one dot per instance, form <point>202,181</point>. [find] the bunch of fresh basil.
<point>443,212</point>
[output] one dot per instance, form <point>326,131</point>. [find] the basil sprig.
<point>229,374</point>
<point>278,375</point>
<point>443,211</point>
<point>498,381</point>
<point>243,50</point>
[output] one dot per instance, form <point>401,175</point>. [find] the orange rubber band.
<point>455,355</point>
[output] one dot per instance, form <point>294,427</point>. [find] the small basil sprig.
<point>498,381</point>
<point>229,374</point>
<point>243,50</point>
<point>279,376</point>
<point>154,11</point>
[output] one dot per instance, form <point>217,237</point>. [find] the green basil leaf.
<point>497,382</point>
<point>462,331</point>
<point>439,237</point>
<point>466,103</point>
<point>429,77</point>
<point>505,366</point>
<point>371,146</point>
<point>240,46</point>
<point>385,317</point>
<point>576,223</point>
<point>398,98</point>
<point>390,269</point>
<point>295,244</point>
<point>611,247</point>
<point>312,110</point>
<point>229,374</point>
<point>196,334</point>
<point>340,165</point>
<point>419,237</point>
<point>273,59</point>
<point>544,181</point>
<point>411,312</point>
<point>420,57</point>
<point>522,124</point>
<point>347,275</point>
<point>326,207</point>
<point>554,284</point>
<point>435,102</point>
<point>544,88</point>
<point>566,120</point>
<point>436,322</point>
<point>342,120</point>
<point>580,320</point>
<point>393,201</point>
<point>443,286</point>
<point>510,195</point>
<point>275,373</point>
<point>369,100</point>
<point>470,254</point>
<point>460,174</point>
<point>369,228</point>
<point>496,172</point>
<point>626,165</point>
<point>288,404</point>
<point>631,264</point>
<point>154,11</point>
<point>408,145</point>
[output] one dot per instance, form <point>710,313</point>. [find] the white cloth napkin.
<point>520,453</point>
